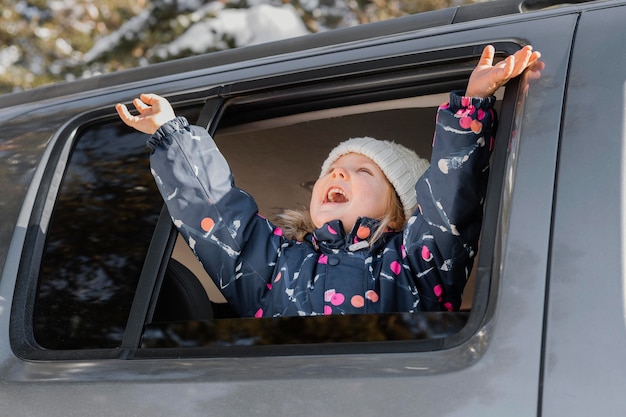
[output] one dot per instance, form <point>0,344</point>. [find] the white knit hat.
<point>401,165</point>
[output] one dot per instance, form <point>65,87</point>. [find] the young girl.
<point>384,232</point>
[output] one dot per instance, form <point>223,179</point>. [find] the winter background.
<point>47,41</point>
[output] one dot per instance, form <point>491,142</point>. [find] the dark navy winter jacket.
<point>261,273</point>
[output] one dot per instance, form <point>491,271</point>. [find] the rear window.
<point>98,238</point>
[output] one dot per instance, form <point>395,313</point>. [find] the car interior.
<point>277,161</point>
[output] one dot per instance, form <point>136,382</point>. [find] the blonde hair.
<point>297,223</point>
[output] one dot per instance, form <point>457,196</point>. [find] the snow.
<point>9,56</point>
<point>127,30</point>
<point>214,27</point>
<point>267,23</point>
<point>206,26</point>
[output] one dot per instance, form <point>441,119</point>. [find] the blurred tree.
<point>43,42</point>
<point>50,41</point>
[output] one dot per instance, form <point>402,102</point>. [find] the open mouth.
<point>336,195</point>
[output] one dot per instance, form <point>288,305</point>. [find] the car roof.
<point>407,24</point>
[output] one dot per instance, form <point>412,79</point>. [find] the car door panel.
<point>494,372</point>
<point>585,327</point>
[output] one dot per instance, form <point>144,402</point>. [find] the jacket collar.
<point>332,236</point>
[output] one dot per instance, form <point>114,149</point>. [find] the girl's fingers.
<point>524,58</point>
<point>486,58</point>
<point>140,105</point>
<point>506,68</point>
<point>151,99</point>
<point>121,109</point>
<point>146,101</point>
<point>123,112</point>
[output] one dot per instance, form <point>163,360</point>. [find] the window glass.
<point>99,234</point>
<point>102,224</point>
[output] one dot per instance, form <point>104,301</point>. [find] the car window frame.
<point>216,101</point>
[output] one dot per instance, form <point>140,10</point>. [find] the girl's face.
<point>353,187</point>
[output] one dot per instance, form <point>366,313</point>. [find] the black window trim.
<point>335,90</point>
<point>150,280</point>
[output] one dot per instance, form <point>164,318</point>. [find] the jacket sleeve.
<point>441,238</point>
<point>220,222</point>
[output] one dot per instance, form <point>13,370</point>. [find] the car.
<point>103,311</point>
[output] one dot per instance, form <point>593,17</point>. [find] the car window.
<point>100,230</point>
<point>112,272</point>
<point>276,157</point>
<point>98,238</point>
<point>277,160</point>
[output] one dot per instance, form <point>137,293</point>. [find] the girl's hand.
<point>154,111</point>
<point>487,78</point>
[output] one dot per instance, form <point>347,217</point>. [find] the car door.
<point>489,366</point>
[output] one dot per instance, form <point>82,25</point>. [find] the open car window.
<point>111,275</point>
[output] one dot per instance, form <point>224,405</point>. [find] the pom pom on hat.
<point>401,165</point>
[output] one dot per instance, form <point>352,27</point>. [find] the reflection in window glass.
<point>98,238</point>
<point>356,328</point>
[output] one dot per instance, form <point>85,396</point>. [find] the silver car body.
<point>551,337</point>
